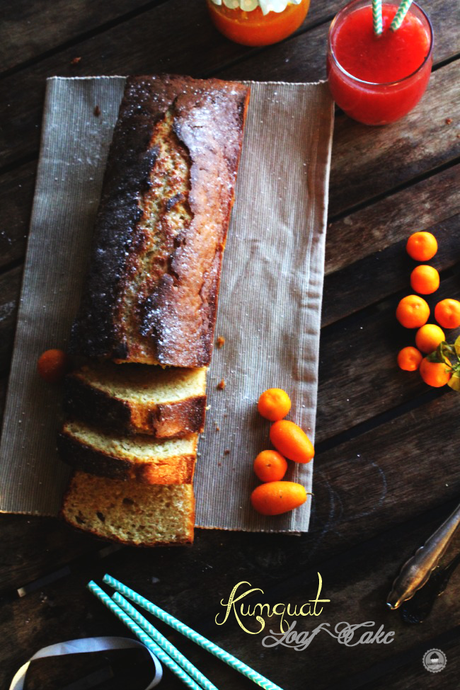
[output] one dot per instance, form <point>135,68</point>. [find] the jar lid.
<point>265,5</point>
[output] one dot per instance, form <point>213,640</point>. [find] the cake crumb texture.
<point>130,512</point>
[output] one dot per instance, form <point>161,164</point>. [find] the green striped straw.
<point>163,642</point>
<point>400,14</point>
<point>192,634</point>
<point>377,16</point>
<point>142,636</point>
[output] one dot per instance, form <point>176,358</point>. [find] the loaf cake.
<point>137,398</point>
<point>141,458</point>
<point>130,512</point>
<point>151,292</point>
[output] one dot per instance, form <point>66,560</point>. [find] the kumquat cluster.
<point>441,363</point>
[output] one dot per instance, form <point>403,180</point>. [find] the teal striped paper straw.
<point>377,16</point>
<point>163,642</point>
<point>142,636</point>
<point>400,14</point>
<point>192,635</point>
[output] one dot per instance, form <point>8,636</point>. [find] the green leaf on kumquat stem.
<point>439,354</point>
<point>447,350</point>
<point>457,346</point>
<point>450,356</point>
<point>454,381</point>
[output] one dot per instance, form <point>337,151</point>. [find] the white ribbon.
<point>87,644</point>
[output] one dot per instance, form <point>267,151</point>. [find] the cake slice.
<point>130,512</point>
<point>138,399</point>
<point>139,458</point>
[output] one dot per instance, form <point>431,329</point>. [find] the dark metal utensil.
<point>415,610</point>
<point>416,572</point>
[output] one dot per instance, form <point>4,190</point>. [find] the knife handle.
<point>416,571</point>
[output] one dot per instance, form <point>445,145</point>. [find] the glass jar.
<point>377,79</point>
<point>257,22</point>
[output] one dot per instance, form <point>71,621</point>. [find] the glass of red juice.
<point>378,79</point>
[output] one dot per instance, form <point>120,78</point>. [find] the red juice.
<point>378,79</point>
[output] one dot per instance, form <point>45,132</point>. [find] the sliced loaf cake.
<point>107,454</point>
<point>138,399</point>
<point>130,512</point>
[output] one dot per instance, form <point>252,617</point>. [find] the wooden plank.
<point>359,376</point>
<point>388,475</point>
<point>30,29</point>
<point>16,196</point>
<point>182,582</point>
<point>414,675</point>
<point>187,43</point>
<point>365,251</point>
<point>10,285</point>
<point>365,159</point>
<point>35,547</point>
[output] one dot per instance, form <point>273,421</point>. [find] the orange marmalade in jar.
<point>257,22</point>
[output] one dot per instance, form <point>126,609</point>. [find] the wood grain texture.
<point>366,158</point>
<point>359,376</point>
<point>401,467</point>
<point>388,222</point>
<point>16,196</point>
<point>413,676</point>
<point>366,258</point>
<point>35,547</point>
<point>10,285</point>
<point>30,28</point>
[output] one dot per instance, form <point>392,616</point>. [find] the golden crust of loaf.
<point>130,512</point>
<point>138,399</point>
<point>138,458</point>
<point>151,293</point>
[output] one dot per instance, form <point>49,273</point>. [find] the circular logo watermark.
<point>434,660</point>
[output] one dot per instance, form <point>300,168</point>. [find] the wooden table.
<point>387,467</point>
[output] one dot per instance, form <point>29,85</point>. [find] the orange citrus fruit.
<point>447,313</point>
<point>435,374</point>
<point>422,246</point>
<point>428,338</point>
<point>274,498</point>
<point>291,441</point>
<point>270,466</point>
<point>409,358</point>
<point>412,311</point>
<point>424,279</point>
<point>254,28</point>
<point>53,365</point>
<point>274,404</point>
